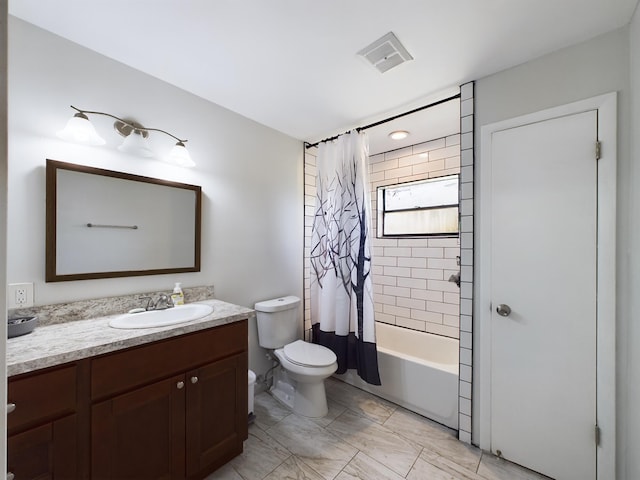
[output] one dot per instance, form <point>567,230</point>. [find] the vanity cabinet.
<point>45,430</point>
<point>212,437</point>
<point>171,409</point>
<point>140,434</point>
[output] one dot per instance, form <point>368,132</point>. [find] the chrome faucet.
<point>163,302</point>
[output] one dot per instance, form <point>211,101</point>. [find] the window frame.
<point>381,210</point>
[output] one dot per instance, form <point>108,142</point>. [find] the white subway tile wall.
<point>466,255</point>
<point>310,158</point>
<point>410,275</point>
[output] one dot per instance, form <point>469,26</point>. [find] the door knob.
<point>180,385</point>
<point>194,379</point>
<point>503,310</point>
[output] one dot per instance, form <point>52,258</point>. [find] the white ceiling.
<point>292,64</point>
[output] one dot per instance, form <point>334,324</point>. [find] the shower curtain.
<point>341,289</point>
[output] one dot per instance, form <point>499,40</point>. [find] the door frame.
<point>606,268</point>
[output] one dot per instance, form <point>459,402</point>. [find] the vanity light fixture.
<point>80,130</point>
<point>399,135</point>
<point>136,144</point>
<point>180,156</point>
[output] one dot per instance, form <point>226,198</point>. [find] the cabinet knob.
<point>10,476</point>
<point>11,407</point>
<point>180,385</point>
<point>194,379</point>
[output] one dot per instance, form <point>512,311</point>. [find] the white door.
<point>543,267</point>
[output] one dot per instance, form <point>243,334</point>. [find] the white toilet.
<point>299,383</point>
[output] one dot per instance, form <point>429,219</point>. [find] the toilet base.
<point>310,400</point>
<point>283,392</point>
<point>306,399</point>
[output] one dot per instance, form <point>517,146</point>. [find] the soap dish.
<point>21,326</point>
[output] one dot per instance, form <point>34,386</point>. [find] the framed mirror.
<point>103,224</point>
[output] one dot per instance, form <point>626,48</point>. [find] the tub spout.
<point>455,278</point>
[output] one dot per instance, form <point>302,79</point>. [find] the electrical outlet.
<point>20,295</point>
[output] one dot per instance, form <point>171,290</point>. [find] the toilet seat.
<point>309,354</point>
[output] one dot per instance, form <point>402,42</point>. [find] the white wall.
<point>251,175</point>
<point>631,426</point>
<point>595,67</point>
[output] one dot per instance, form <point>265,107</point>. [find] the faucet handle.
<point>163,302</point>
<point>169,302</point>
<point>148,299</point>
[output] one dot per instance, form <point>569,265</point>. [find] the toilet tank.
<point>277,321</point>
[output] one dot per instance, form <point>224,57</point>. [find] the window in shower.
<point>419,209</point>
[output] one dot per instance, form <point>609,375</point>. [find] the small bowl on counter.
<point>18,326</point>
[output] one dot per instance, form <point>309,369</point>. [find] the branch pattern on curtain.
<point>342,312</point>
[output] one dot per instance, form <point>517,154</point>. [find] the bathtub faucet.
<point>455,278</point>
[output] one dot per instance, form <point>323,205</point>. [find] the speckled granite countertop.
<point>51,345</point>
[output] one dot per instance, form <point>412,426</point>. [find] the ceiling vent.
<point>385,53</point>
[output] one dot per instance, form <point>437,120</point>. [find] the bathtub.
<point>418,371</point>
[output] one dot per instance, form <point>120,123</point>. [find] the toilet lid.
<point>309,354</point>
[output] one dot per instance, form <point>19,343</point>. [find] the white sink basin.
<point>162,318</point>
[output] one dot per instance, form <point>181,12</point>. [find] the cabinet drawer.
<point>41,397</point>
<point>121,371</point>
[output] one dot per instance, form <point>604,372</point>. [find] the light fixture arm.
<point>129,124</point>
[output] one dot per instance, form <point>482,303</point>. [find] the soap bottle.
<point>177,296</point>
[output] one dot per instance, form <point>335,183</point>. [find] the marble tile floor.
<point>362,437</point>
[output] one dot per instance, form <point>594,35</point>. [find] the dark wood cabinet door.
<point>33,454</point>
<point>140,435</point>
<point>216,415</point>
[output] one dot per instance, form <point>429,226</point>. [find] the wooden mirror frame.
<point>51,275</point>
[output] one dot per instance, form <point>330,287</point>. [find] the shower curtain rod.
<point>375,124</point>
